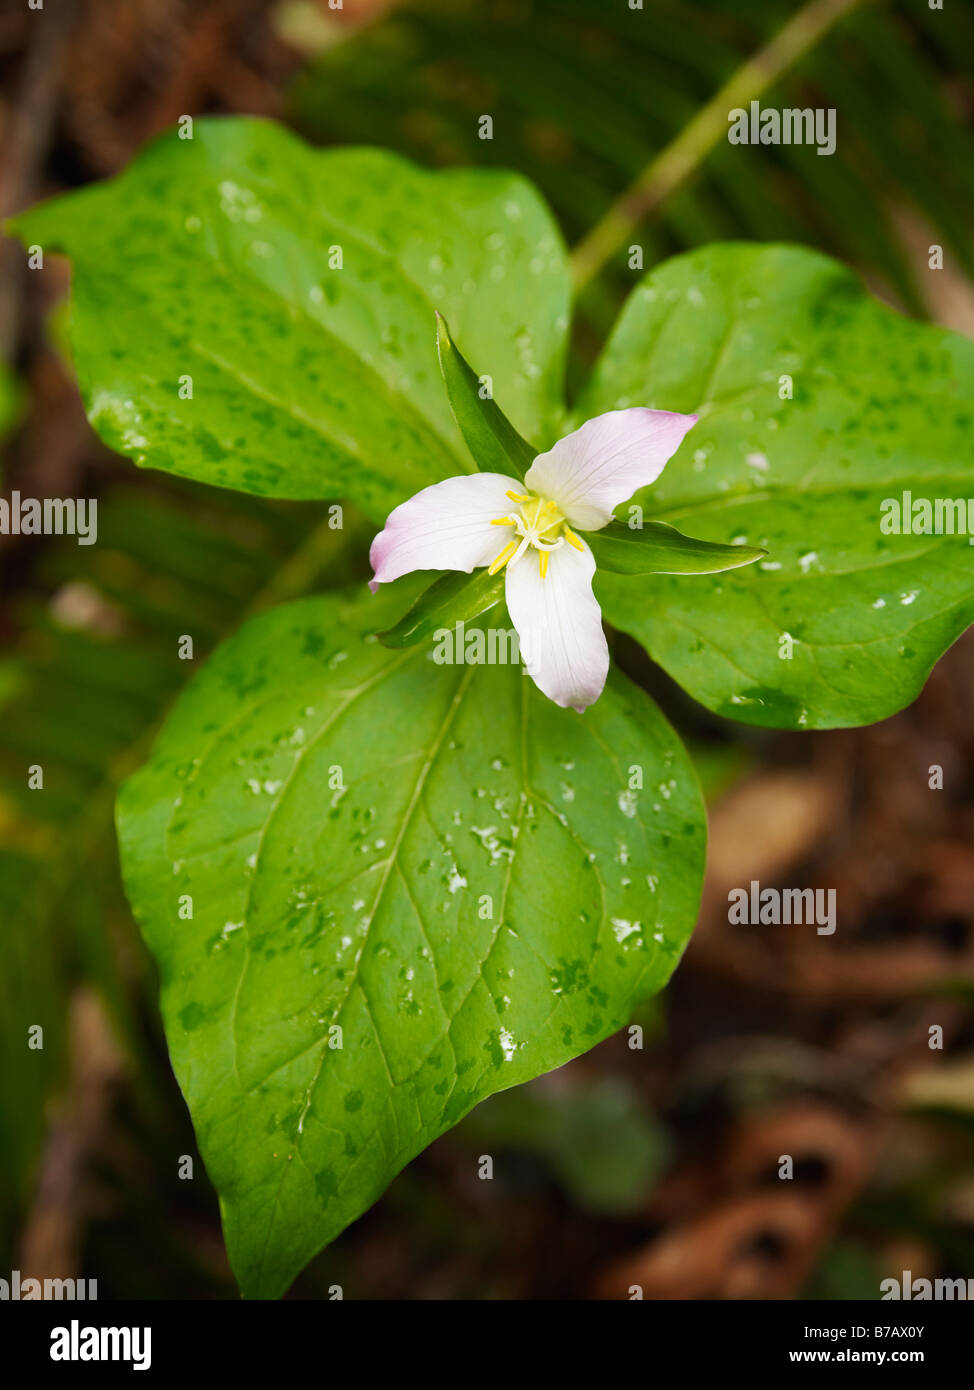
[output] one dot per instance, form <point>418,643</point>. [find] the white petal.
<point>589,472</point>
<point>445,527</point>
<point>559,624</point>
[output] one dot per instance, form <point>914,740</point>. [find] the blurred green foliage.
<point>33,995</point>
<point>583,96</point>
<point>596,1138</point>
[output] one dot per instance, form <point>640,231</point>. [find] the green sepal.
<point>493,441</point>
<point>455,597</point>
<point>658,548</point>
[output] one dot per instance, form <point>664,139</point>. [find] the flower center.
<point>538,524</point>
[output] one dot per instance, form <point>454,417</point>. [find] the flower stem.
<point>683,156</point>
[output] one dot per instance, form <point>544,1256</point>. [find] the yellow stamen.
<point>571,538</point>
<point>503,557</point>
<point>538,522</point>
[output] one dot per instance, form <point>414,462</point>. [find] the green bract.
<point>655,548</point>
<point>494,444</point>
<point>298,289</point>
<point>210,258</point>
<point>453,598</point>
<point>880,405</point>
<point>472,884</point>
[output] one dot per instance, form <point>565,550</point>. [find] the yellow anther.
<point>503,557</point>
<point>571,538</point>
<point>537,523</point>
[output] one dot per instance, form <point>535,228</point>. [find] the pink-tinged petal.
<point>444,527</point>
<point>600,465</point>
<point>559,625</point>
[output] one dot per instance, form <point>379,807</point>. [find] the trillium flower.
<point>530,530</point>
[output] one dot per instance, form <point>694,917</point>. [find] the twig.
<point>683,156</point>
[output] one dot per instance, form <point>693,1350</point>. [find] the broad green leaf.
<point>881,405</point>
<point>436,859</point>
<point>493,441</point>
<point>453,598</point>
<point>215,259</point>
<point>656,548</point>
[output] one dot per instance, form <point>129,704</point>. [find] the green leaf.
<point>881,405</point>
<point>436,859</point>
<point>454,598</point>
<point>493,441</point>
<point>656,548</point>
<point>216,259</point>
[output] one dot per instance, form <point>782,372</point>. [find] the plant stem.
<point>681,158</point>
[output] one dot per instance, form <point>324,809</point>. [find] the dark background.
<point>658,1166</point>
